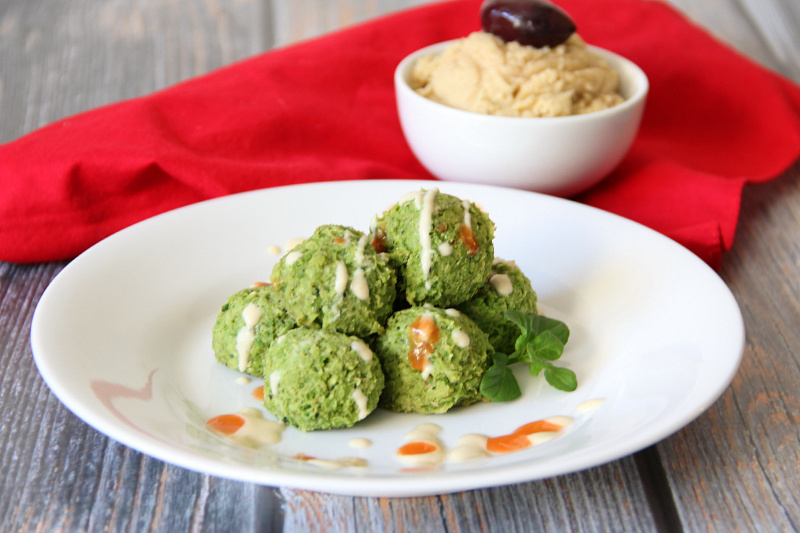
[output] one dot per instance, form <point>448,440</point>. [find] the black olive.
<point>529,22</point>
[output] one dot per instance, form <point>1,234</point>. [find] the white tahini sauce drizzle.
<point>544,436</point>
<point>423,432</point>
<point>359,286</point>
<point>502,284</point>
<point>361,401</point>
<point>336,464</point>
<point>473,446</point>
<point>590,405</point>
<point>257,431</point>
<point>564,421</point>
<point>340,283</point>
<point>460,338</point>
<point>373,223</point>
<point>541,437</point>
<point>359,255</point>
<point>292,257</point>
<point>469,447</point>
<point>413,195</point>
<point>363,351</point>
<point>428,433</point>
<point>274,380</point>
<point>467,216</point>
<point>247,334</point>
<point>425,223</point>
<point>291,243</point>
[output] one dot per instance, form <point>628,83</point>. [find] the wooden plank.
<point>607,498</point>
<point>733,25</point>
<point>60,58</point>
<point>303,19</point>
<point>738,466</point>
<point>57,59</point>
<point>777,23</point>
<point>60,474</point>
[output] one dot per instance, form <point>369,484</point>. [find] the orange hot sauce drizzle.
<point>468,238</point>
<point>538,427</point>
<point>227,424</point>
<point>422,335</point>
<point>416,448</point>
<point>518,440</point>
<point>379,240</point>
<point>258,393</point>
<point>507,443</point>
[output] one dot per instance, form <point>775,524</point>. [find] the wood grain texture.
<point>742,458</point>
<point>303,19</point>
<point>59,58</point>
<point>777,23</point>
<point>61,475</point>
<point>736,468</point>
<point>731,23</point>
<point>609,498</point>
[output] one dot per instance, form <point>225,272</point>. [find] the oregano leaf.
<point>561,378</point>
<point>547,346</point>
<point>498,383</point>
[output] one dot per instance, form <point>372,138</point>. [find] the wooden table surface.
<point>737,467</point>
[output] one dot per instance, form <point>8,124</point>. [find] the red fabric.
<point>324,110</point>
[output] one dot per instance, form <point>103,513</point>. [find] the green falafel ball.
<point>433,359</point>
<point>321,379</point>
<point>507,289</point>
<point>440,244</point>
<point>336,280</point>
<point>247,324</point>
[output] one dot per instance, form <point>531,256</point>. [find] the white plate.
<point>122,336</point>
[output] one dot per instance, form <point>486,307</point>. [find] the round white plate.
<point>123,338</point>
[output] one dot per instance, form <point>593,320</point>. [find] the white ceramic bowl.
<point>560,156</point>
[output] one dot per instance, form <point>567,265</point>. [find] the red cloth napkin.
<point>324,110</point>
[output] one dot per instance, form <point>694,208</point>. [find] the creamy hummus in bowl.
<point>553,119</point>
<point>484,74</point>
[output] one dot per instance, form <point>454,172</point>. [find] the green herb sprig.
<point>541,341</point>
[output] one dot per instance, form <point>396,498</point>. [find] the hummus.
<point>483,74</point>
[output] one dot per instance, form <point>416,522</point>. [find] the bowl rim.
<point>640,81</point>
